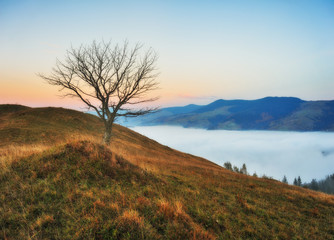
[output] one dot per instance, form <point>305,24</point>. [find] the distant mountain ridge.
<point>269,113</point>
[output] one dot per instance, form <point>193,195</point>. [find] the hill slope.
<point>137,188</point>
<point>271,113</point>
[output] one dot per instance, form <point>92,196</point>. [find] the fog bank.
<point>306,154</point>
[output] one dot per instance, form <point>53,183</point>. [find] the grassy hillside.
<point>58,182</point>
<point>20,124</point>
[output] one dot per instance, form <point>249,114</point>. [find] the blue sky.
<point>207,49</point>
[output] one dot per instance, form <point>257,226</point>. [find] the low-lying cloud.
<point>305,154</point>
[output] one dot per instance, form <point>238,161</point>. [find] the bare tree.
<point>108,79</point>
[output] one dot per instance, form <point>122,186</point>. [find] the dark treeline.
<point>325,185</point>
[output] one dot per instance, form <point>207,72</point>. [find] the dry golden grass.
<point>10,153</point>
<point>59,182</point>
<point>152,156</point>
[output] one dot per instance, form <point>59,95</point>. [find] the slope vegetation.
<point>136,188</point>
<point>20,124</point>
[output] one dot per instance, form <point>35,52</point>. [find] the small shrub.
<point>132,226</point>
<point>166,209</point>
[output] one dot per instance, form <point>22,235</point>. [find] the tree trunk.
<point>107,134</point>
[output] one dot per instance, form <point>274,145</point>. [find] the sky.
<point>207,50</point>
